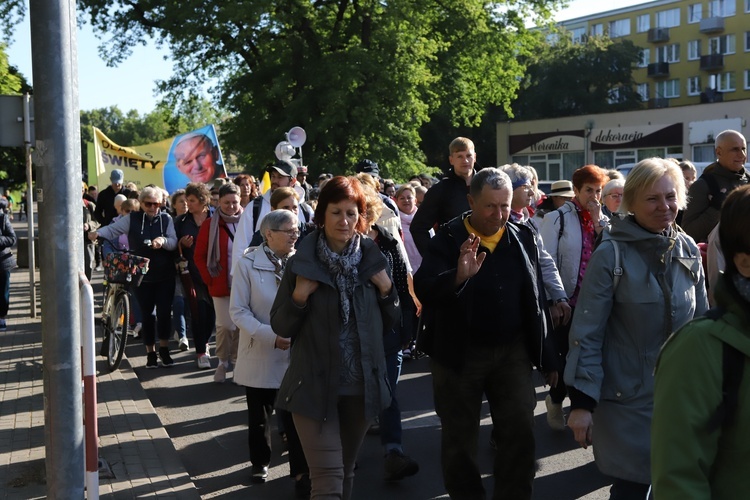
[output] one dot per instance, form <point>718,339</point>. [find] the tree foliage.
<point>361,76</point>
<point>566,78</point>
<point>11,13</point>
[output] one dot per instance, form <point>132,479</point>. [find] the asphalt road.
<point>208,425</point>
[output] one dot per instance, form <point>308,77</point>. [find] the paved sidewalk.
<point>133,442</point>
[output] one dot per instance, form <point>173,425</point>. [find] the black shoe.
<point>399,466</point>
<point>260,473</point>
<point>151,360</point>
<point>166,359</point>
<point>302,487</point>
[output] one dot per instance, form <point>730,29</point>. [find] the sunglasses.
<point>150,204</point>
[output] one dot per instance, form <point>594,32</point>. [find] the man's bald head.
<point>731,150</point>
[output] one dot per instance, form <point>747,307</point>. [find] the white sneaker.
<point>555,415</point>
<point>204,362</point>
<point>220,375</point>
<point>184,346</point>
<point>176,336</point>
<point>137,330</point>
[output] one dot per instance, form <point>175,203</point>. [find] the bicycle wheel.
<point>118,330</point>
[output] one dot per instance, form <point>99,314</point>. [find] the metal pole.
<point>91,427</point>
<point>57,158</point>
<point>29,202</point>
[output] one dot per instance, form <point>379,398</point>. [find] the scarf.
<point>279,263</point>
<point>214,250</point>
<point>343,269</point>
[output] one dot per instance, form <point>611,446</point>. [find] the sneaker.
<point>406,354</point>
<point>203,361</point>
<point>260,472</point>
<point>151,360</point>
<point>3,325</point>
<point>399,466</point>
<point>166,359</point>
<point>555,415</point>
<point>220,375</point>
<point>137,330</point>
<point>184,346</point>
<point>302,486</point>
<point>99,268</point>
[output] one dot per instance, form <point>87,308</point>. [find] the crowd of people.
<point>317,293</point>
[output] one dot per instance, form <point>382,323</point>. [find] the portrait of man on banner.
<point>194,157</point>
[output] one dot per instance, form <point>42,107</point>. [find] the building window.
<point>669,89</point>
<point>724,82</point>
<point>721,45</point>
<point>694,13</point>
<point>747,79</point>
<point>643,23</point>
<point>668,18</point>
<point>694,85</point>
<point>645,58</point>
<point>747,5</point>
<point>747,39</point>
<point>694,50</point>
<point>721,8</point>
<point>597,29</point>
<point>668,53</point>
<point>578,35</point>
<point>618,28</point>
<point>642,89</point>
<point>704,153</point>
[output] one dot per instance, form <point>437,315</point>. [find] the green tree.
<point>11,13</point>
<point>566,78</point>
<point>361,76</point>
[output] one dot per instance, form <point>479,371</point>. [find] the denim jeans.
<point>178,316</point>
<point>503,374</point>
<point>4,293</point>
<point>390,418</point>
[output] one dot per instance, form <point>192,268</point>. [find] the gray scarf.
<point>279,263</point>
<point>343,269</point>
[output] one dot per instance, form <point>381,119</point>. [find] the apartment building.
<point>694,79</point>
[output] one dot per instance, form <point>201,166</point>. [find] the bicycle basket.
<point>126,268</point>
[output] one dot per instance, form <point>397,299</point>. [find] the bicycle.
<point>121,269</point>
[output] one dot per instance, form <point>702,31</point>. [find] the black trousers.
<point>157,294</point>
<point>557,394</point>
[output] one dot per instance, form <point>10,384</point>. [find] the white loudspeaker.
<point>284,151</point>
<point>297,136</point>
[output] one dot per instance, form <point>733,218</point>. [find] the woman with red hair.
<point>334,301</point>
<point>569,235</point>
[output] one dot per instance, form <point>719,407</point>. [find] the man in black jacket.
<point>484,305</point>
<point>447,199</point>
<point>105,205</point>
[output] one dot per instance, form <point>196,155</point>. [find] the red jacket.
<point>218,286</point>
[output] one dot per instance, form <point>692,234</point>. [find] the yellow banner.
<point>171,163</point>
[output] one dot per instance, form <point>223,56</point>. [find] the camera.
<point>148,243</point>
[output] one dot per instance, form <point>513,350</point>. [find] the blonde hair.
<point>460,144</point>
<point>645,174</point>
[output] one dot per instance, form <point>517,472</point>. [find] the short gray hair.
<point>275,219</point>
<point>518,173</point>
<point>492,177</point>
<point>613,184</point>
<point>151,192</point>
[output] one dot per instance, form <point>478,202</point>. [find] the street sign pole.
<point>29,201</point>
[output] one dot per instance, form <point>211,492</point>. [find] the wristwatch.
<point>603,223</point>
<point>561,300</point>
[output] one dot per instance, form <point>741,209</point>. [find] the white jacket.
<point>565,250</point>
<point>259,363</point>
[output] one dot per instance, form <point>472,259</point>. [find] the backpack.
<point>732,366</point>
<point>257,204</point>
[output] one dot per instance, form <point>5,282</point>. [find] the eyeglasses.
<point>150,204</point>
<point>614,195</point>
<point>292,233</point>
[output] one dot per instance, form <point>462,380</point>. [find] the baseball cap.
<point>368,167</point>
<point>284,168</point>
<point>117,176</point>
<point>562,188</point>
<point>302,170</point>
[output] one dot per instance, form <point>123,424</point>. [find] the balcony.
<point>711,95</point>
<point>657,35</point>
<point>712,62</point>
<point>657,70</point>
<point>712,25</point>
<point>658,102</point>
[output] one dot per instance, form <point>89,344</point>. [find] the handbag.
<point>125,268</point>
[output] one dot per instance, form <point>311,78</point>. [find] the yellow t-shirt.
<point>488,242</point>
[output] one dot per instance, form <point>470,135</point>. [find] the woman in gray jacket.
<point>644,281</point>
<point>335,302</point>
